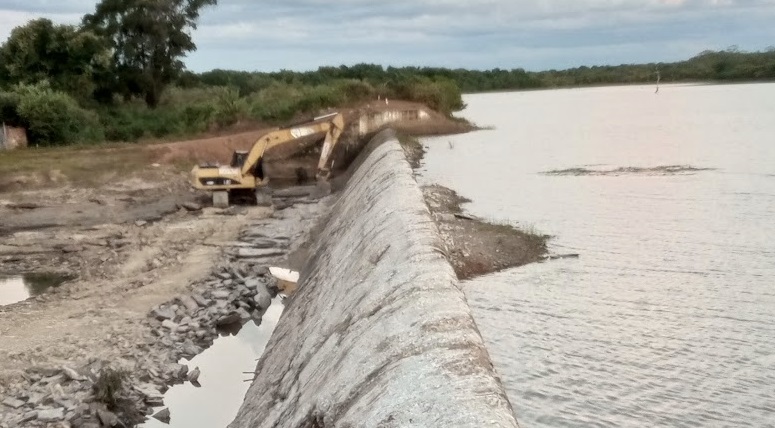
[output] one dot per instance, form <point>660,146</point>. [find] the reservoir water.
<point>668,316</point>
<point>17,288</point>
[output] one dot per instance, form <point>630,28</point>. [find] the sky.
<point>270,35</point>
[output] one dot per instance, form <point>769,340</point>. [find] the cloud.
<point>10,19</point>
<point>304,34</point>
<point>51,7</point>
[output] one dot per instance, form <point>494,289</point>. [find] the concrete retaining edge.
<point>379,333</point>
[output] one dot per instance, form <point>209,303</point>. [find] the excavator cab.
<point>238,158</point>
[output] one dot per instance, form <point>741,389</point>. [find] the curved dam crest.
<point>379,332</point>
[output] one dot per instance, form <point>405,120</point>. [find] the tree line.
<point>119,76</point>
<point>727,65</point>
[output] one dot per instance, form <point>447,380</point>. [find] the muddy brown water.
<point>222,381</point>
<point>17,288</point>
<point>666,318</point>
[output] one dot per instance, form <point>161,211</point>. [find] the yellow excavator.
<point>245,175</point>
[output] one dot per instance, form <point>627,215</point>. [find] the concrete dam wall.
<point>379,333</point>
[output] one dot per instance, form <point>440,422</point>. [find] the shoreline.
<point>609,85</point>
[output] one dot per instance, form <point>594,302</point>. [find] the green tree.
<point>66,57</point>
<point>149,39</point>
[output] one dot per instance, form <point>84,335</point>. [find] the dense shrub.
<point>229,108</point>
<point>222,98</point>
<point>121,125</point>
<point>275,103</point>
<point>440,94</point>
<point>198,117</point>
<point>181,112</point>
<point>51,117</point>
<point>355,90</point>
<point>131,123</point>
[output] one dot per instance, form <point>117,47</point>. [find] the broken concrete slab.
<point>162,314</point>
<point>51,415</point>
<point>229,319</point>
<point>13,403</point>
<point>189,303</point>
<point>72,374</point>
<point>169,325</point>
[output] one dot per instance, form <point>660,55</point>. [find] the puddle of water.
<point>17,288</point>
<point>223,386</point>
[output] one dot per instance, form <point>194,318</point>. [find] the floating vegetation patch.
<point>630,170</point>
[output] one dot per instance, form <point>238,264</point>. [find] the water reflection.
<point>17,288</point>
<point>222,378</point>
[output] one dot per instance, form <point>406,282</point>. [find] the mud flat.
<point>475,246</point>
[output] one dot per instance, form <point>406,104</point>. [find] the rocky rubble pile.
<point>68,396</point>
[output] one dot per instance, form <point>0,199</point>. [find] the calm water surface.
<point>17,288</point>
<point>668,317</point>
<point>216,402</point>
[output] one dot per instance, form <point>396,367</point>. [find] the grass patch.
<point>81,166</point>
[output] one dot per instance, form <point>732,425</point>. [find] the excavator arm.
<point>244,175</point>
<point>332,138</point>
